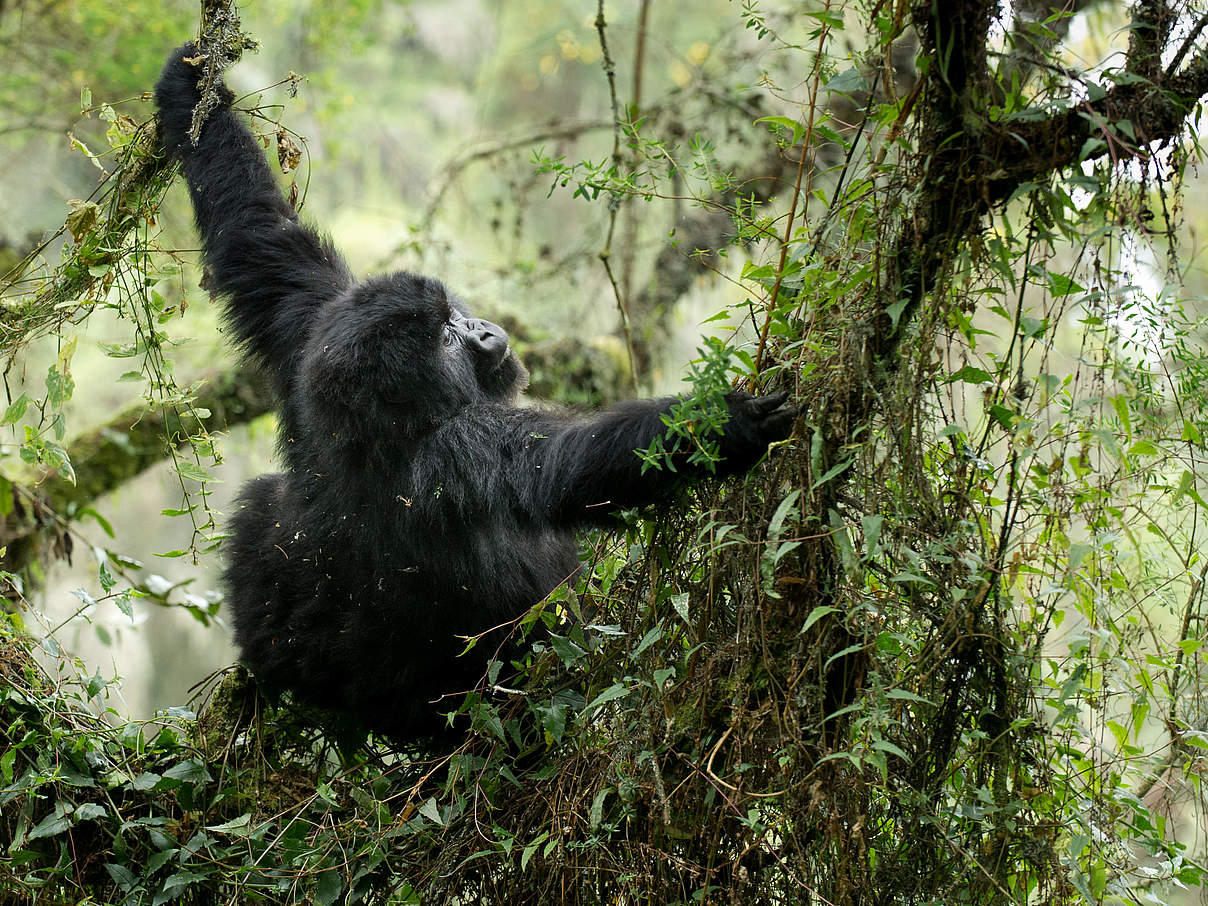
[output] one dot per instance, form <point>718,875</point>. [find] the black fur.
<point>419,503</point>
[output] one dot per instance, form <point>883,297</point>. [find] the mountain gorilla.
<point>420,504</point>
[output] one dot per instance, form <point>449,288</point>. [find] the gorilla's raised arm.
<point>273,269</point>
<point>586,471</point>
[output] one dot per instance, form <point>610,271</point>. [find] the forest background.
<point>946,646</point>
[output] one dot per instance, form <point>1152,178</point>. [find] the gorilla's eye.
<point>447,335</point>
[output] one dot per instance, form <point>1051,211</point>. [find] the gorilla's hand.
<point>755,422</point>
<point>177,93</point>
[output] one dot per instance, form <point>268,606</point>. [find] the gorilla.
<point>419,504</point>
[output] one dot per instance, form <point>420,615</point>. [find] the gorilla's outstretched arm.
<point>584,472</point>
<point>272,268</point>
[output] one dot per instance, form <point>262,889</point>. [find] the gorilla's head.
<point>401,347</point>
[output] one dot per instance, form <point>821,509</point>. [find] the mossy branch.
<point>108,456</point>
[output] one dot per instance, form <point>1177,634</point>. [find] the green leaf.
<point>57,457</point>
<point>531,849</point>
<point>784,122</point>
<point>910,577</point>
<point>15,410</point>
<point>895,311</point>
<point>871,526</point>
<point>1061,285</point>
<point>612,693</point>
<point>191,771</point>
<point>122,876</point>
<point>431,811</point>
<point>160,859</point>
<point>907,696</point>
<point>849,81</point>
<point>328,887</point>
<point>1120,404</point>
<point>553,720</point>
<point>596,815</point>
<point>831,473</point>
<point>1092,147</point>
<point>827,18</point>
<point>1003,415</point>
<point>568,652</point>
<point>971,375</point>
<point>1033,328</point>
<point>177,883</point>
<point>147,780</point>
<point>89,811</point>
<point>655,633</point>
<point>54,823</point>
<point>235,825</point>
<point>119,350</point>
<point>193,471</point>
<point>1098,880</point>
<point>1187,487</point>
<point>817,614</point>
<point>886,746</point>
<point>100,520</point>
<point>776,525</point>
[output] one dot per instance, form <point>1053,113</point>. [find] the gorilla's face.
<point>477,350</point>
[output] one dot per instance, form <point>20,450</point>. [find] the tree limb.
<point>1157,112</point>
<point>107,457</point>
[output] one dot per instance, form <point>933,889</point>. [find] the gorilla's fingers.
<point>780,422</point>
<point>770,403</point>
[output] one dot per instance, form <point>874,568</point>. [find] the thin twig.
<point>614,204</point>
<point>823,34</point>
<point>1186,46</point>
<point>550,132</point>
<point>630,232</point>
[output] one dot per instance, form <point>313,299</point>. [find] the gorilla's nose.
<point>491,340</point>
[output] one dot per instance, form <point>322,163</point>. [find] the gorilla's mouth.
<point>490,367</point>
<point>506,376</point>
<point>507,353</point>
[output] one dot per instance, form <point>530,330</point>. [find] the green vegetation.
<point>945,646</point>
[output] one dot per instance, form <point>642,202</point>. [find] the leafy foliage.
<point>946,647</point>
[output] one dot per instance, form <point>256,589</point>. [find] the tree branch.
<point>959,190</point>
<point>109,456</point>
<point>1157,112</point>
